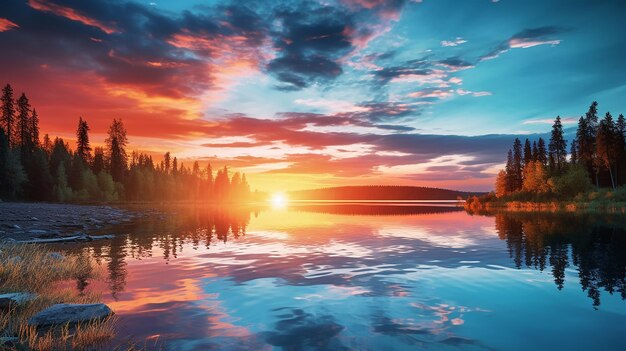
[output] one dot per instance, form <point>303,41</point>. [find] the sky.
<point>304,94</point>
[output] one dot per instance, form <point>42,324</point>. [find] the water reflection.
<point>595,244</point>
<point>361,276</point>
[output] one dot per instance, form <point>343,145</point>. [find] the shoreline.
<point>36,220</point>
<point>551,206</point>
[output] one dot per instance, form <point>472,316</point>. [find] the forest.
<point>46,169</point>
<point>594,168</point>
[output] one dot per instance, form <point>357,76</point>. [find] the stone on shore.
<point>12,299</point>
<point>70,313</point>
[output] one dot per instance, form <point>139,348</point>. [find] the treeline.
<point>597,158</point>
<point>378,192</point>
<point>49,170</point>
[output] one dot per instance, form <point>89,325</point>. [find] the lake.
<point>368,276</point>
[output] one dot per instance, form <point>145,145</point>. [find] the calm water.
<point>369,277</point>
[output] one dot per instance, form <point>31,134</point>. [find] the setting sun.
<point>279,200</point>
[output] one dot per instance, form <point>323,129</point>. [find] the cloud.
<point>473,93</point>
<point>456,42</point>
<point>6,25</point>
<point>527,38</point>
<point>310,40</point>
<point>431,93</point>
<point>564,120</point>
<point>71,14</point>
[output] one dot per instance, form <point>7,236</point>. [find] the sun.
<point>279,200</point>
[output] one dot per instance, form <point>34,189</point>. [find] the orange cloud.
<point>6,25</point>
<point>70,13</point>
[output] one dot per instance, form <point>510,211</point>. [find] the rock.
<point>55,256</point>
<point>12,299</point>
<point>9,341</point>
<point>70,313</point>
<point>14,260</point>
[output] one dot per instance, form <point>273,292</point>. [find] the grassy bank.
<point>40,271</point>
<point>605,200</point>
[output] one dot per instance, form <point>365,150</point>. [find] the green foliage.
<point>573,182</point>
<point>108,190</point>
<point>62,191</point>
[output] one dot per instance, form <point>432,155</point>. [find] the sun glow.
<point>279,200</point>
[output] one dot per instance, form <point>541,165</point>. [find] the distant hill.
<point>379,192</point>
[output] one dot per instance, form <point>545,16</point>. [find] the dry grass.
<point>37,269</point>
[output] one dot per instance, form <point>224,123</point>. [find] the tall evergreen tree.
<point>12,175</point>
<point>209,181</point>
<point>509,169</point>
<point>517,164</point>
<point>574,152</point>
<point>528,153</point>
<point>83,148</point>
<point>8,114</point>
<point>23,135</point>
<point>620,127</point>
<point>557,147</point>
<point>116,147</point>
<point>606,145</point>
<point>34,128</point>
<point>542,153</point>
<point>535,151</point>
<point>167,160</point>
<point>587,150</point>
<point>99,164</point>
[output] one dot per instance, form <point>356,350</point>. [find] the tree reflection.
<point>198,226</point>
<point>594,244</point>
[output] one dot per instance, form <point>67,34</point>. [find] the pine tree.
<point>116,146</point>
<point>557,148</point>
<point>574,152</point>
<point>167,160</point>
<point>620,127</point>
<point>528,153</point>
<point>47,144</point>
<point>209,181</point>
<point>587,150</point>
<point>8,114</point>
<point>83,149</point>
<point>535,151</point>
<point>34,128</point>
<point>517,165</point>
<point>606,145</point>
<point>195,170</point>
<point>23,135</point>
<point>542,154</point>
<point>99,163</point>
<point>509,170</point>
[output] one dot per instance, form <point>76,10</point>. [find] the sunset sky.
<point>302,94</point>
